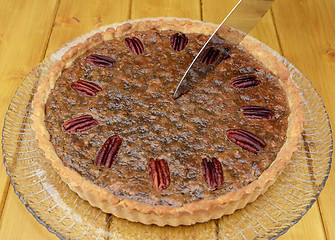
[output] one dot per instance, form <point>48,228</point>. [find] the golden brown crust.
<point>202,210</point>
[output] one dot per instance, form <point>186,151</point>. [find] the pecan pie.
<point>106,119</point>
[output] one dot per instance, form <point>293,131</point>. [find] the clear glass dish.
<point>62,212</point>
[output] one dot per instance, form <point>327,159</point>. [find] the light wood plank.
<point>20,30</point>
<point>319,44</point>
<point>265,31</point>
<point>215,11</point>
<point>166,8</point>
<point>326,202</point>
<point>306,229</point>
<point>21,224</point>
<point>312,51</point>
<point>75,19</point>
<point>72,20</point>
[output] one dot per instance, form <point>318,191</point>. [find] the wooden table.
<point>302,30</point>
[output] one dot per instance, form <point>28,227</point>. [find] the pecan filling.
<point>124,88</point>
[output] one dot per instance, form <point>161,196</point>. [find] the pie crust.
<point>190,213</point>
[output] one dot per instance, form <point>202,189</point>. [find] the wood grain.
<point>75,19</point>
<point>72,20</point>
<point>19,31</point>
<point>302,30</point>
<point>166,8</point>
<point>309,43</point>
<point>309,227</point>
<point>215,11</point>
<point>266,32</point>
<point>171,8</point>
<point>18,223</point>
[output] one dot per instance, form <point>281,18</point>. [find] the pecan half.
<point>256,112</point>
<point>135,45</point>
<point>245,81</point>
<point>100,60</point>
<point>212,173</point>
<point>210,55</point>
<point>178,41</point>
<point>80,124</point>
<point>246,140</point>
<point>86,88</point>
<point>108,153</point>
<point>159,173</point>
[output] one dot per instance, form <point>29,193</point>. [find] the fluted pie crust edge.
<point>199,211</point>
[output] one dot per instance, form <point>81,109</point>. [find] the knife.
<point>244,16</point>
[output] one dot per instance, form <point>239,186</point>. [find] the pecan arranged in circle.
<point>178,41</point>
<point>135,45</point>
<point>86,88</point>
<point>256,112</point>
<point>212,173</point>
<point>100,60</point>
<point>245,81</point>
<point>108,153</point>
<point>159,173</point>
<point>210,55</point>
<point>246,140</point>
<point>80,124</point>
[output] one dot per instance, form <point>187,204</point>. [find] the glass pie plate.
<point>64,213</point>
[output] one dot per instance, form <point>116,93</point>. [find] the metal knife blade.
<point>244,17</point>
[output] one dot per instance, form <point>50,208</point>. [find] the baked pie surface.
<point>134,101</point>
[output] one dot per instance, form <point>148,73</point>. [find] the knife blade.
<point>244,16</point>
